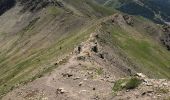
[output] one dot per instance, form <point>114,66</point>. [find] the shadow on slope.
<point>6,5</point>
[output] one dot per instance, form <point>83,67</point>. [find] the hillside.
<point>73,49</point>
<point>32,41</point>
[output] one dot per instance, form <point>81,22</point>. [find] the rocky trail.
<point>83,77</point>
<point>89,75</point>
<point>84,50</point>
<point>86,75</point>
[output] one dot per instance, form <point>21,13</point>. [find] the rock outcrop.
<point>35,5</point>
<point>165,39</point>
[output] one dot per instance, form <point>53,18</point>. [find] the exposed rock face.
<point>128,19</point>
<point>89,48</point>
<point>165,39</point>
<point>123,20</point>
<point>166,28</point>
<point>34,5</point>
<point>30,5</point>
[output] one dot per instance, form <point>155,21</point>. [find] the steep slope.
<point>32,41</point>
<point>140,46</point>
<point>94,66</point>
<point>78,43</point>
<point>155,10</point>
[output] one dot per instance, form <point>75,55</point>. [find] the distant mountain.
<point>157,10</point>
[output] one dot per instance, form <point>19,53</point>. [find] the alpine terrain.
<point>84,50</point>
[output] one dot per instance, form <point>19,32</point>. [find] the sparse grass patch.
<point>119,85</point>
<point>133,83</point>
<point>128,83</point>
<point>99,71</point>
<point>52,10</point>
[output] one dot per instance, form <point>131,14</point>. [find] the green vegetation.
<point>148,54</point>
<point>33,52</point>
<point>133,83</point>
<point>128,83</point>
<point>23,71</point>
<point>99,71</point>
<point>119,85</point>
<point>19,68</point>
<point>30,53</point>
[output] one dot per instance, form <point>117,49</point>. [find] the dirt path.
<point>83,77</point>
<point>71,82</point>
<point>88,75</point>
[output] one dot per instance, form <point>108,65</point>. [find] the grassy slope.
<point>32,52</point>
<point>149,56</point>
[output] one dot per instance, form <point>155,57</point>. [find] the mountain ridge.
<point>79,43</point>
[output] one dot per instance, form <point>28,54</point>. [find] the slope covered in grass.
<point>143,50</point>
<point>48,36</point>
